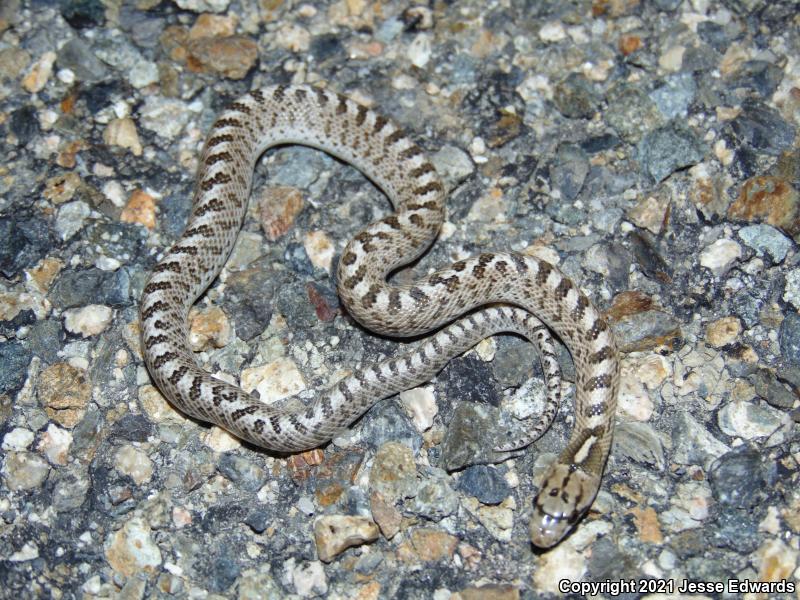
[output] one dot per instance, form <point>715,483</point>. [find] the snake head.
<point>565,496</point>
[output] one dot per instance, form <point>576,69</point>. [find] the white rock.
<point>29,551</point>
<point>88,320</point>
<point>202,6</point>
<point>134,463</point>
<point>131,549</point>
<point>55,444</point>
<point>749,421</point>
<point>719,256</point>
<point>420,405</point>
<point>320,249</point>
<point>561,563</point>
<point>419,51</point>
<point>143,73</point>
<point>552,32</point>
<point>18,438</point>
<point>274,381</point>
<point>791,292</point>
<point>309,579</point>
<point>70,218</point>
<point>634,400</point>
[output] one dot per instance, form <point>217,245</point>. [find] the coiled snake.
<point>516,286</point>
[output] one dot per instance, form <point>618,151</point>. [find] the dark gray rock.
<point>249,299</point>
<point>23,242</point>
<point>739,478</point>
<point>81,14</point>
<point>258,520</point>
<point>14,360</point>
<point>631,112</point>
<point>470,437</point>
<point>135,428</point>
<point>569,170</point>
<point>484,483</point>
<point>387,422</point>
<point>759,76</point>
<point>667,149</point>
<point>92,286</point>
<point>576,98</point>
<point>78,56</point>
<point>762,128</point>
<point>674,97</point>
<point>789,337</point>
<point>24,123</point>
<point>747,304</point>
<point>242,472</point>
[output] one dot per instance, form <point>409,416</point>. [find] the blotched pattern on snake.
<point>514,286</point>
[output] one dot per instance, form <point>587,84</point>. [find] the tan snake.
<point>516,286</point>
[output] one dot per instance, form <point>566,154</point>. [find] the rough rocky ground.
<point>648,147</point>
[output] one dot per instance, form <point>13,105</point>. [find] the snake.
<point>456,305</point>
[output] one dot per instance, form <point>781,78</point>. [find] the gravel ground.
<point>648,147</point>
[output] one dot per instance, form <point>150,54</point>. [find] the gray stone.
<point>242,472</point>
<point>766,239</point>
<point>569,170</point>
<point>78,56</point>
<point>484,483</point>
<point>14,360</point>
<point>470,437</point>
<point>739,478</point>
<point>635,329</point>
<point>575,97</point>
<point>693,444</point>
<point>667,149</point>
<point>789,337</point>
<point>674,97</point>
<point>758,75</point>
<point>631,112</point>
<point>640,443</point>
<point>435,498</point>
<point>453,165</point>
<point>763,128</point>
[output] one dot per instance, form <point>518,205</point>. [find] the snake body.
<point>516,287</point>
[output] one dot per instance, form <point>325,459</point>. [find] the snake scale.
<point>492,292</point>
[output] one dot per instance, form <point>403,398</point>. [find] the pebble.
<point>140,209</point>
<point>435,499</point>
<point>89,320</point>
<point>164,116</point>
<point>278,208</point>
<point>632,113</point>
<point>738,478</point>
<point>209,328</point>
<point>80,58</point>
<point>419,51</point>
<point>789,336</point>
<point>649,213</point>
<point>134,463</point>
<point>776,561</point>
<point>203,6</point>
<point>762,128</point>
<point>308,578</point>
<point>122,132</point>
<point>559,564</point>
<point>131,549</point>
<point>640,443</point>
<point>667,149</point>
<point>334,534</point>
<point>18,438</point>
<point>768,199</point>
<point>64,391</point>
<point>569,170</point>
<point>232,57</point>
<point>420,405</point>
<point>498,520</point>
<point>751,421</point>
<point>71,218</point>
<point>14,360</point>
<point>575,97</point>
<point>452,164</point>
<point>24,470</point>
<point>39,73</point>
<point>693,444</point>
<point>484,483</point>
<point>394,473</point>
<point>552,31</point>
<point>723,332</point>
<point>55,444</point>
<point>243,473</point>
<point>791,290</point>
<point>719,256</point>
<point>646,330</point>
<point>427,545</point>
<point>274,381</point>
<point>320,249</point>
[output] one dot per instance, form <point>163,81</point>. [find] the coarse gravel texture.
<point>648,147</point>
